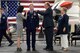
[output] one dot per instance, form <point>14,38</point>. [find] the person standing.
<point>32,23</point>
<point>48,24</point>
<point>63,28</point>
<point>19,20</point>
<point>3,27</point>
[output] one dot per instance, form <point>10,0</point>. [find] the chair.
<point>76,34</point>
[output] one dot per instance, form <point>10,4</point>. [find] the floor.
<point>39,47</point>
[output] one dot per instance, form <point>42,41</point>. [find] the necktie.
<point>31,13</point>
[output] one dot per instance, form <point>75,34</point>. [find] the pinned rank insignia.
<point>3,17</point>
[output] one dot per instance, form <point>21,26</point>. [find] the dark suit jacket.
<point>32,20</point>
<point>3,23</point>
<point>63,22</point>
<point>48,18</point>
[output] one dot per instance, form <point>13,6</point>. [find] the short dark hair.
<point>31,4</point>
<point>20,9</point>
<point>47,3</point>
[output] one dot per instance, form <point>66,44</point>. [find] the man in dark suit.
<point>32,22</point>
<point>3,27</point>
<point>48,24</point>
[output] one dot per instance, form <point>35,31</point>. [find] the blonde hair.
<point>64,9</point>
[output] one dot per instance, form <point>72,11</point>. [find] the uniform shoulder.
<point>66,16</point>
<point>3,15</point>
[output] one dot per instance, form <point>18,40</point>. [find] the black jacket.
<point>48,18</point>
<point>3,22</point>
<point>63,22</point>
<point>32,20</point>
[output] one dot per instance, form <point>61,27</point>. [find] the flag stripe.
<point>35,8</point>
<point>36,1</point>
<point>35,4</point>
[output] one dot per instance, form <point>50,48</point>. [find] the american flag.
<point>11,7</point>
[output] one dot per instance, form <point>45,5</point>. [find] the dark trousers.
<point>33,32</point>
<point>49,37</point>
<point>3,33</point>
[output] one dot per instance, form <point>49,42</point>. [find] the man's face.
<point>45,6</point>
<point>62,11</point>
<point>1,11</point>
<point>31,7</point>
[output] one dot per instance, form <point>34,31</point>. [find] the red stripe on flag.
<point>11,20</point>
<point>34,6</point>
<point>37,30</point>
<point>24,1</point>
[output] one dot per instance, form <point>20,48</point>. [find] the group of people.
<point>31,23</point>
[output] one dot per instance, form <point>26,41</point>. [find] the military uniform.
<point>32,22</point>
<point>3,28</point>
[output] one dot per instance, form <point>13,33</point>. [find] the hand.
<point>55,29</point>
<point>7,31</point>
<point>64,29</point>
<point>37,27</point>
